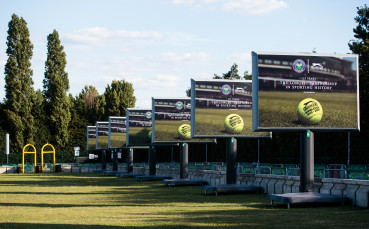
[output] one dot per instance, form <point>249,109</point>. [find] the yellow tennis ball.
<point>309,111</point>
<point>233,124</point>
<point>184,132</point>
<point>150,134</point>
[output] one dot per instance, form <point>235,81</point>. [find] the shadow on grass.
<point>54,226</point>
<point>52,193</point>
<point>74,226</point>
<point>57,180</point>
<point>132,204</point>
<point>53,205</point>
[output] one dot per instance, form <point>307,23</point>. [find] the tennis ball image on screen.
<point>150,134</point>
<point>184,132</point>
<point>233,124</point>
<point>309,111</point>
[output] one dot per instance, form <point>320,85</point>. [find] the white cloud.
<point>240,57</point>
<point>97,35</point>
<point>248,7</point>
<point>187,2</point>
<point>252,7</point>
<point>192,2</point>
<point>185,58</point>
<point>160,81</point>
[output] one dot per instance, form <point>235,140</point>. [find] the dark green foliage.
<point>232,74</point>
<point>360,46</point>
<point>41,129</point>
<point>87,104</point>
<point>118,96</point>
<point>78,124</point>
<point>56,85</point>
<point>19,92</point>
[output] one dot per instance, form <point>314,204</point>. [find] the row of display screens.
<point>288,92</point>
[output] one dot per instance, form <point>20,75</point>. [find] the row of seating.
<point>340,171</point>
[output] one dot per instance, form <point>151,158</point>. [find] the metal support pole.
<point>348,147</point>
<point>152,161</point>
<point>258,152</point>
<point>183,173</point>
<point>103,160</point>
<point>206,153</point>
<point>171,156</point>
<point>130,161</point>
<point>307,161</point>
<point>231,161</point>
<point>115,160</point>
<point>7,148</point>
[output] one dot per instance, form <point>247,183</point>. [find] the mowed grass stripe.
<point>94,201</point>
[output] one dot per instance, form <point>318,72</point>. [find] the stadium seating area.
<point>340,171</point>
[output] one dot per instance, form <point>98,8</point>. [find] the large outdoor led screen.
<point>102,135</point>
<point>222,108</point>
<point>172,121</point>
<point>117,132</point>
<point>91,137</point>
<point>305,91</point>
<point>139,125</point>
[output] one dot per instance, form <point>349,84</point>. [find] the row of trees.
<point>51,114</point>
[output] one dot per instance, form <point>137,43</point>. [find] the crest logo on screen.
<point>179,105</point>
<point>226,89</point>
<point>299,66</point>
<point>148,115</point>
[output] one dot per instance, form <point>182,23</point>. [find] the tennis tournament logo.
<point>148,115</point>
<point>226,89</point>
<point>179,105</point>
<point>299,66</point>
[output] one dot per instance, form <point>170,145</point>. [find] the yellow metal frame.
<point>28,152</point>
<point>42,156</point>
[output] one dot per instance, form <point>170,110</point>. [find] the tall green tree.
<point>56,85</point>
<point>360,46</point>
<point>19,92</point>
<point>232,74</point>
<point>119,96</point>
<point>78,123</point>
<point>247,75</point>
<point>41,128</point>
<point>2,133</point>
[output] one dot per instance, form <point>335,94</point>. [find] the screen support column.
<point>307,161</point>
<point>231,161</point>
<point>183,173</point>
<point>130,161</point>
<point>115,160</point>
<point>103,160</point>
<point>152,161</point>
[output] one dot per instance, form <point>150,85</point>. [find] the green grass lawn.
<point>102,142</point>
<point>167,130</point>
<point>117,140</point>
<point>95,201</point>
<point>278,109</point>
<point>211,122</point>
<point>91,143</point>
<point>139,135</point>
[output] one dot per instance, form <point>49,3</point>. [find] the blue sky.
<point>159,45</point>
